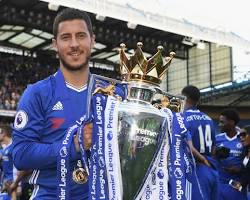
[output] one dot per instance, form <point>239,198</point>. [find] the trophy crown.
<point>138,68</point>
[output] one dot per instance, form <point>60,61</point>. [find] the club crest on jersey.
<point>239,145</point>
<point>21,119</point>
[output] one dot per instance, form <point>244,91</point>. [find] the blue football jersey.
<point>201,130</point>
<point>9,171</point>
<point>46,110</point>
<point>234,158</point>
<point>202,133</point>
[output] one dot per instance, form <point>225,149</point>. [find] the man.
<point>245,141</point>
<point>49,107</point>
<point>201,141</point>
<point>245,178</point>
<point>9,171</point>
<point>230,167</point>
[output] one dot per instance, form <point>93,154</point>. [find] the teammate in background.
<point>9,171</point>
<point>245,140</point>
<point>201,141</point>
<point>244,182</point>
<point>49,107</point>
<point>21,178</point>
<point>230,167</point>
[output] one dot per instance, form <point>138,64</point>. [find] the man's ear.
<point>54,45</point>
<point>93,41</point>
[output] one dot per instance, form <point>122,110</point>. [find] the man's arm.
<point>198,157</point>
<point>20,176</point>
<point>29,152</point>
<point>233,169</point>
<point>29,155</point>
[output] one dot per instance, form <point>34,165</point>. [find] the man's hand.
<point>6,186</point>
<point>12,187</point>
<point>205,161</point>
<point>236,185</point>
<point>87,137</point>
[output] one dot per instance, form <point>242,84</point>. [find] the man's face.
<point>224,124</point>
<point>244,137</point>
<point>73,44</point>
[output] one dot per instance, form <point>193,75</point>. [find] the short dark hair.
<point>5,129</point>
<point>191,92</point>
<point>231,114</point>
<point>71,14</point>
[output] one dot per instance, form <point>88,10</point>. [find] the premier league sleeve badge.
<point>21,119</point>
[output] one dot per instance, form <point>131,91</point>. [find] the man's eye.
<point>65,37</point>
<point>81,35</point>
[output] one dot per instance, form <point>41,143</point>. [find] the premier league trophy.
<point>130,135</point>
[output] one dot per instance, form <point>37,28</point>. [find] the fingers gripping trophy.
<point>129,152</point>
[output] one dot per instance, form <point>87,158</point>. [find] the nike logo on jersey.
<point>58,106</point>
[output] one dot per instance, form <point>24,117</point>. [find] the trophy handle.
<point>175,103</point>
<point>109,90</point>
<point>103,85</point>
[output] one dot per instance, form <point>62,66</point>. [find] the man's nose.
<point>74,42</point>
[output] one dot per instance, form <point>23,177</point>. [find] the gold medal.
<point>80,176</point>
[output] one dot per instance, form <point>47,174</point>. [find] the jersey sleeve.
<point>28,150</point>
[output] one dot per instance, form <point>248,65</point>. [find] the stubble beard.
<point>72,68</point>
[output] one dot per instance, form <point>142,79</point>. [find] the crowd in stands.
<point>16,72</point>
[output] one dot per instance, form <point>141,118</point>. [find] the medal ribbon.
<point>63,165</point>
<point>157,187</point>
<point>84,157</point>
<point>177,164</point>
<point>112,157</point>
<point>98,187</point>
<point>156,180</point>
<point>63,159</point>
